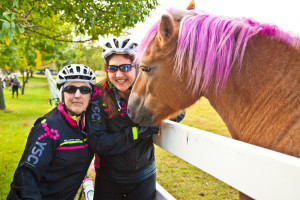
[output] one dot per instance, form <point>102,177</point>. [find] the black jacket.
<point>55,159</point>
<point>120,158</point>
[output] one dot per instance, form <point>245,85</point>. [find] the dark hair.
<point>106,98</point>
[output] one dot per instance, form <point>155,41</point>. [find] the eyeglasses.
<point>122,68</point>
<point>73,89</point>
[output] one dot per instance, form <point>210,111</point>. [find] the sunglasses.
<point>73,89</point>
<point>122,68</point>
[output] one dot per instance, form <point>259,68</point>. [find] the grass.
<point>15,124</point>
<point>181,179</point>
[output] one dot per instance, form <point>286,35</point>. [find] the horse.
<point>248,71</point>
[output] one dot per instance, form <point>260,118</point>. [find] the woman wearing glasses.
<point>125,162</point>
<point>56,156</point>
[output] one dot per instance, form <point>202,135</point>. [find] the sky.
<point>283,13</point>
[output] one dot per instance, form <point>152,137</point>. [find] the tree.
<point>57,19</point>
<point>44,25</point>
<point>26,55</point>
<point>90,56</point>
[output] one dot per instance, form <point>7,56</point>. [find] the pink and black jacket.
<point>55,159</point>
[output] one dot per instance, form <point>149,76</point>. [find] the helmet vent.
<point>108,45</point>
<point>125,42</point>
<point>116,43</point>
<point>132,46</point>
<point>75,72</point>
<point>77,68</point>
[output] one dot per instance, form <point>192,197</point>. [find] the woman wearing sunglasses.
<point>125,162</point>
<point>56,156</point>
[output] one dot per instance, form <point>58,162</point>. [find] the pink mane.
<point>210,45</point>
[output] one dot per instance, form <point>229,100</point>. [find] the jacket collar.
<point>71,121</point>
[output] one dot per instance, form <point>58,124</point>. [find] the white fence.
<point>258,172</point>
<point>52,85</point>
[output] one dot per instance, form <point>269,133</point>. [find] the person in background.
<point>15,84</point>
<point>124,160</point>
<point>56,156</point>
<point>3,82</point>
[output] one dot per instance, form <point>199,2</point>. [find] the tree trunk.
<point>24,82</point>
<point>27,75</point>
<point>2,101</point>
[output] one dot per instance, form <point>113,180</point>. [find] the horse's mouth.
<point>143,118</point>
<point>146,122</point>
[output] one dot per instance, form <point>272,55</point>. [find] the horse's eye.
<point>145,69</point>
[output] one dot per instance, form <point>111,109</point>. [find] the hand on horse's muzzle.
<point>147,131</point>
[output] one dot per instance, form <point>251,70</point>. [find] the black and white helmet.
<point>75,72</point>
<point>119,45</point>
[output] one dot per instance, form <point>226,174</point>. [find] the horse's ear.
<point>166,28</point>
<point>191,6</point>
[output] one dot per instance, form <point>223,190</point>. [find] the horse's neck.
<point>260,102</point>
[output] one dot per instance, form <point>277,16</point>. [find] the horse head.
<point>154,96</point>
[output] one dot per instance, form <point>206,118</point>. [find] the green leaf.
<point>7,17</point>
<point>21,29</point>
<point>15,3</point>
<point>5,25</point>
<point>12,17</point>
<point>6,13</point>
<point>2,34</point>
<point>10,35</point>
<point>17,30</point>
<point>13,24</point>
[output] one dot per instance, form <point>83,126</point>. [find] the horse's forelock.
<point>146,41</point>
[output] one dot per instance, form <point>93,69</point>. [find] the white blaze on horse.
<point>249,72</point>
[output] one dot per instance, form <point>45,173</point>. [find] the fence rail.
<point>52,85</point>
<point>258,172</point>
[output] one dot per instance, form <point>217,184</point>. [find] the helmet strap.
<point>71,112</point>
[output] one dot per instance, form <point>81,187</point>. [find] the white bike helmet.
<point>75,72</point>
<point>119,45</point>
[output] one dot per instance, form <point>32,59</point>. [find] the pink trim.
<point>87,179</point>
<point>97,161</point>
<point>68,118</point>
<point>96,92</point>
<point>77,147</point>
